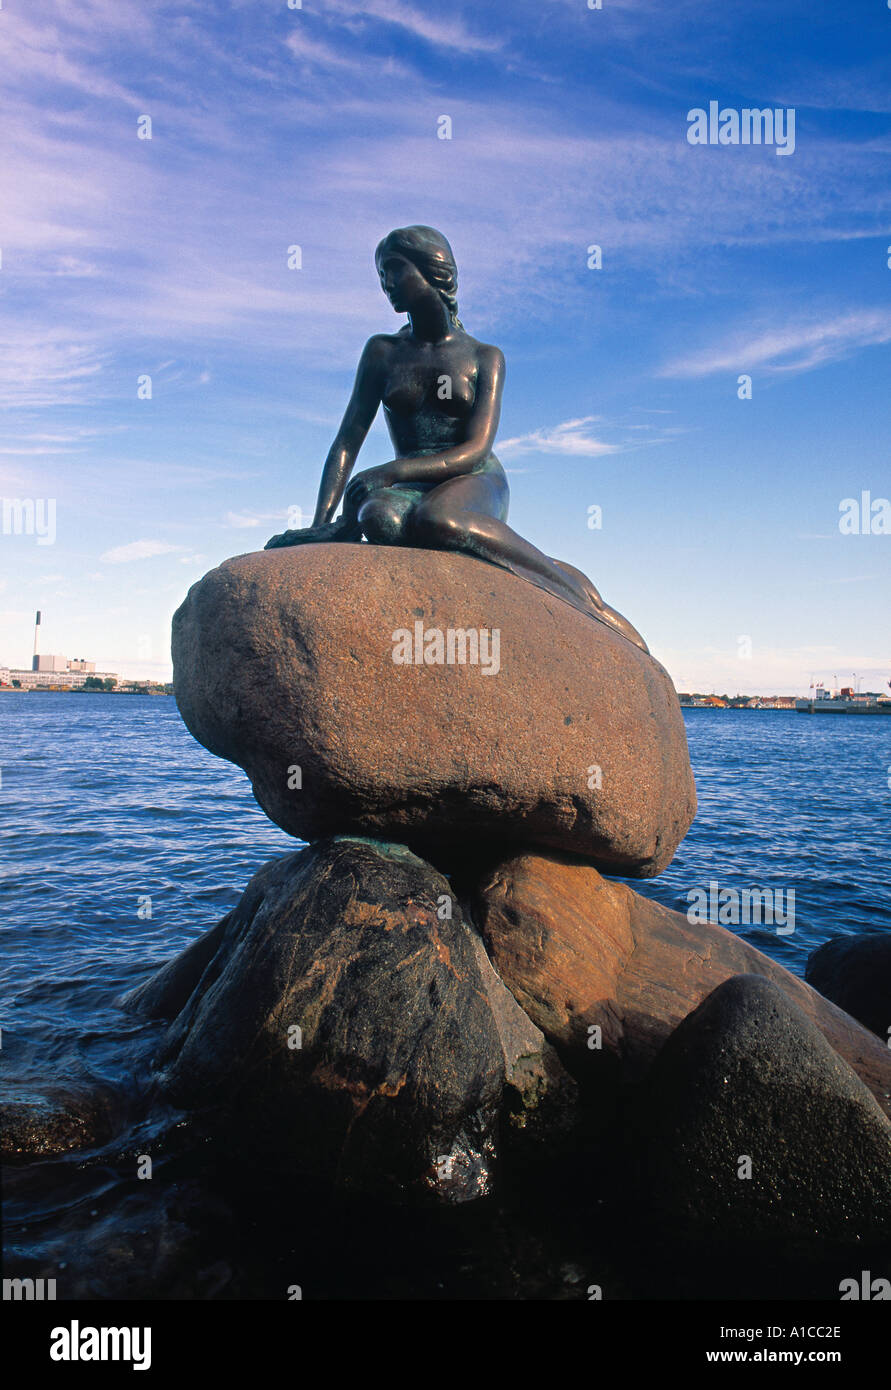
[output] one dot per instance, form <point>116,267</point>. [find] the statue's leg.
<point>609,615</point>
<point>463,514</point>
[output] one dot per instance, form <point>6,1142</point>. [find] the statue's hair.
<point>427,249</point>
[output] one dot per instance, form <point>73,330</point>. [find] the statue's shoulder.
<point>487,354</point>
<point>380,344</point>
<point>377,355</point>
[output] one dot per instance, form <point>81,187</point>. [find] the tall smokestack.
<point>36,641</point>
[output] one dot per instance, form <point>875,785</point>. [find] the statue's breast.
<point>435,388</point>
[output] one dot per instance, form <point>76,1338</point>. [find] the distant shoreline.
<point>74,690</point>
<point>803,706</point>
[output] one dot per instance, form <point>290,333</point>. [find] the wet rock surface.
<point>346,1021</point>
<point>855,973</point>
<point>38,1125</point>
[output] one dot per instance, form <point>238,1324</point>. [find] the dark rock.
<point>413,1058</point>
<point>284,664</point>
<point>749,1076</point>
<point>855,973</point>
<point>39,1125</point>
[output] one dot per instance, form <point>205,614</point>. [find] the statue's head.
<point>429,252</point>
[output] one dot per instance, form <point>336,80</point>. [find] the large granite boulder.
<point>855,973</point>
<point>754,1135</point>
<point>345,1023</point>
<point>317,669</point>
<point>608,974</point>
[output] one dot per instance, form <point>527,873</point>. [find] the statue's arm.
<point>481,432</point>
<point>357,421</point>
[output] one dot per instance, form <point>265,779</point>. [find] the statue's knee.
<point>382,520</point>
<point>435,528</point>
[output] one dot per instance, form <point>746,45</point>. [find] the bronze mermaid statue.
<point>441,393</point>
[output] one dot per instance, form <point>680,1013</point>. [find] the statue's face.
<point>402,282</point>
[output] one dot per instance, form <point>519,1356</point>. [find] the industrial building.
<point>48,671</point>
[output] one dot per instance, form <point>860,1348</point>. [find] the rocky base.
<point>694,1082</point>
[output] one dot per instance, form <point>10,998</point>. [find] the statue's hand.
<point>281,540</point>
<point>343,528</point>
<point>360,488</point>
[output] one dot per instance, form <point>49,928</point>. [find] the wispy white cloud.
<point>59,48</point>
<point>571,437</point>
<point>577,438</point>
<point>788,349</point>
<point>35,444</point>
<point>443,29</point>
<point>135,254</point>
<point>318,54</point>
<point>137,550</point>
<point>39,371</point>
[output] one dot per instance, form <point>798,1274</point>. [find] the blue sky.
<point>317,126</point>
